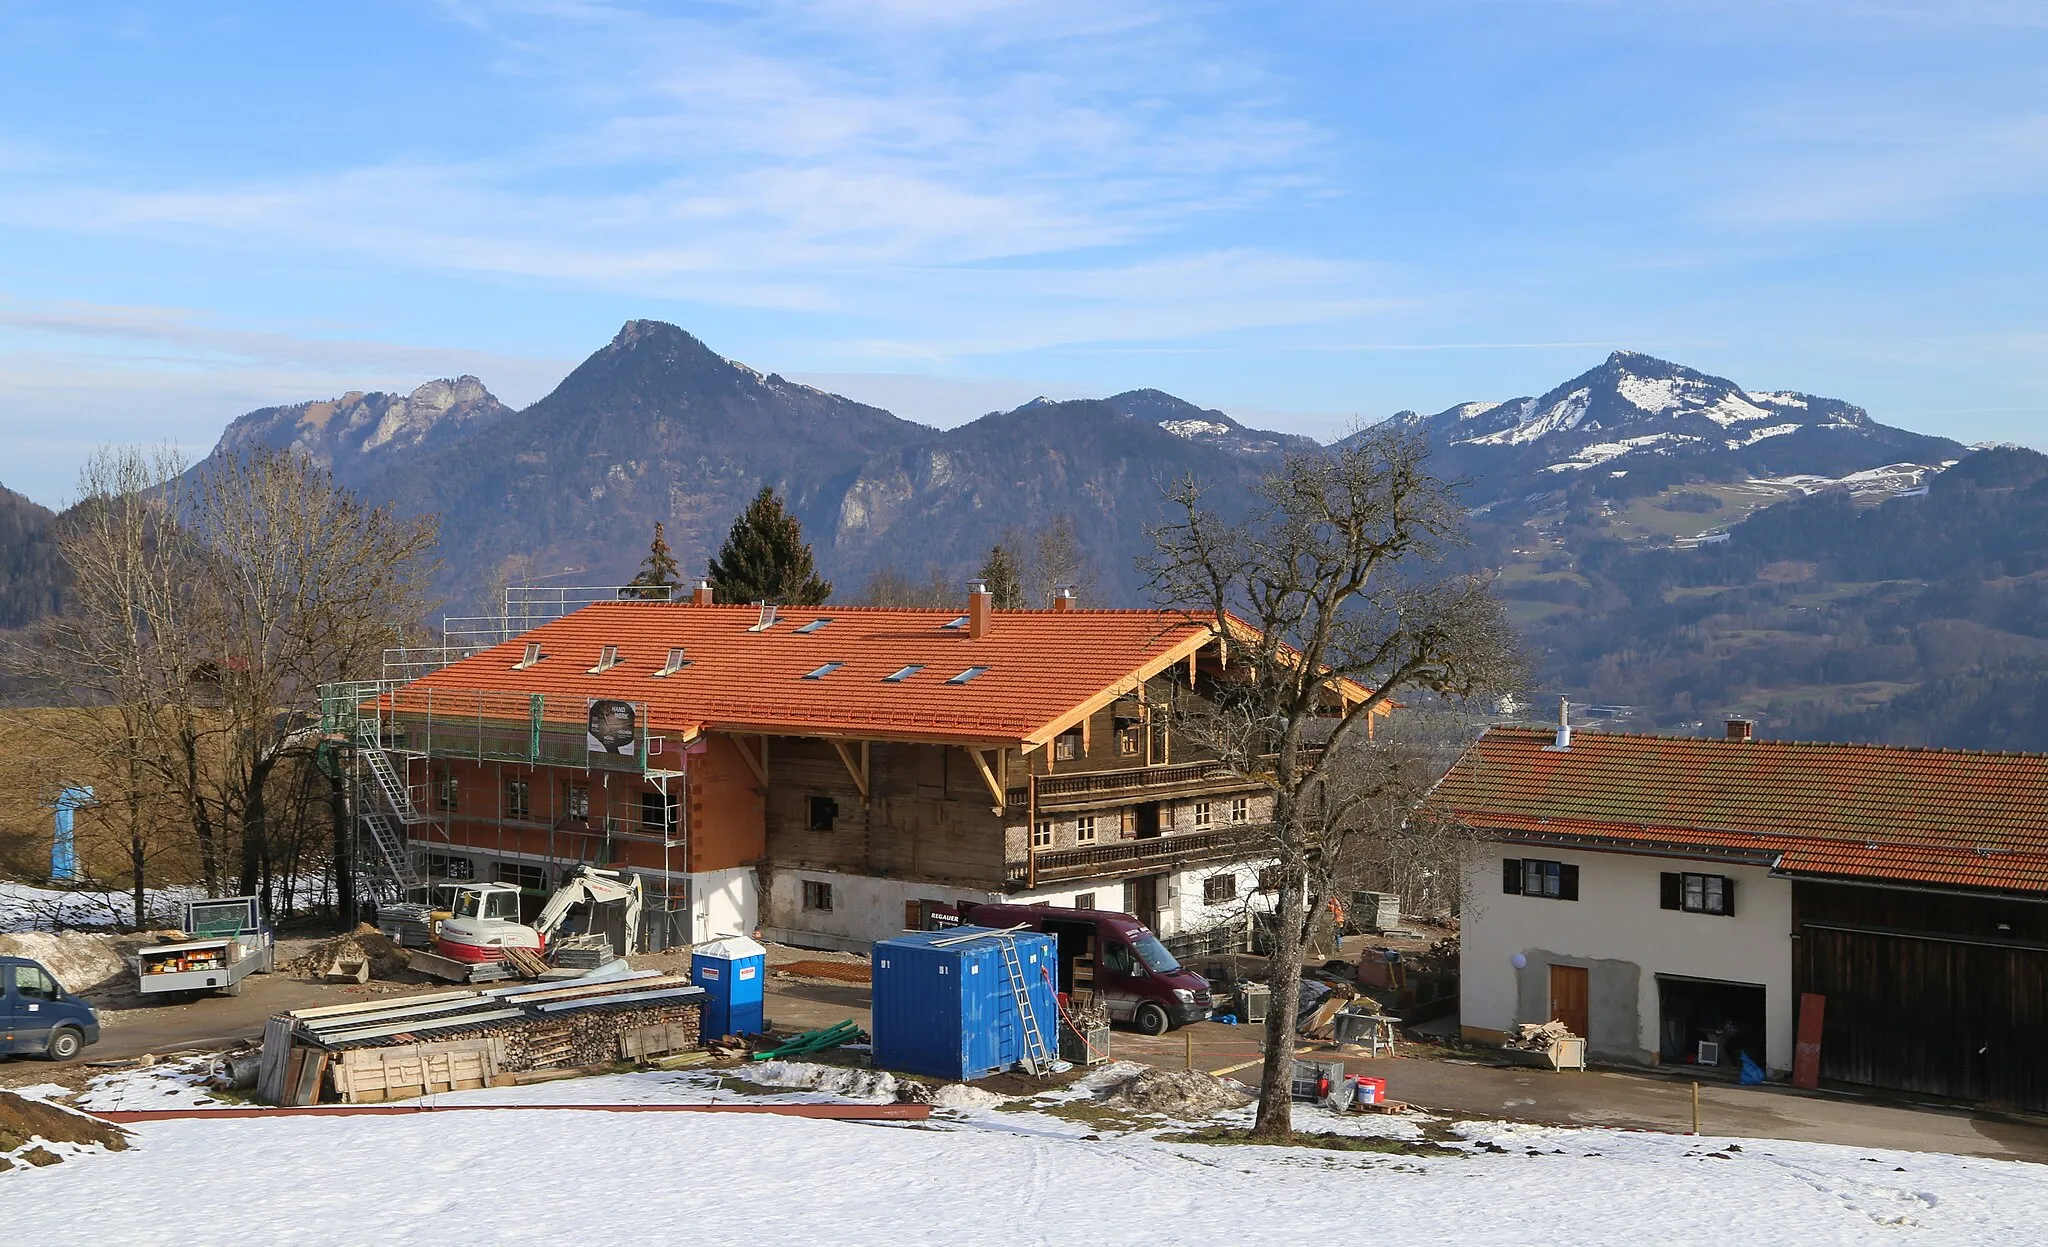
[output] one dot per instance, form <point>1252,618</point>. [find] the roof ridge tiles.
<point>1582,733</point>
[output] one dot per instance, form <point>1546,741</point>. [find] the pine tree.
<point>764,558</point>
<point>1004,578</point>
<point>658,579</point>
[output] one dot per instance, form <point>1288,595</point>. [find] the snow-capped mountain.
<point>1638,414</point>
<point>1204,426</point>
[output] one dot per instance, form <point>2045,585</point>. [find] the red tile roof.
<point>1939,817</point>
<point>1045,669</point>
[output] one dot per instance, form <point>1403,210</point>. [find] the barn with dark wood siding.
<point>1896,896</point>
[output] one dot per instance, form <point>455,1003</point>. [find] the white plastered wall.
<point>1617,921</point>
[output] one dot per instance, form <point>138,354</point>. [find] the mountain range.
<point>1634,464</point>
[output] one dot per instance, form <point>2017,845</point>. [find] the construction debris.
<point>1532,1037</point>
<point>381,957</point>
<point>1184,1095</point>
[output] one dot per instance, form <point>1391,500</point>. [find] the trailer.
<point>228,942</point>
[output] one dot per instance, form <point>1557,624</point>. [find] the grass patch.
<point>1227,1136</point>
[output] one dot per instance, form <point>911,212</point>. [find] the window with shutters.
<point>1698,894</point>
<point>1546,880</point>
<point>1219,889</point>
<point>818,896</point>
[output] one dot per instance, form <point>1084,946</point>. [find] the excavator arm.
<point>588,883</point>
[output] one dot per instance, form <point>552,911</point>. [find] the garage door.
<point>1929,1014</point>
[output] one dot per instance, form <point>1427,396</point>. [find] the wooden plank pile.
<point>467,1038</point>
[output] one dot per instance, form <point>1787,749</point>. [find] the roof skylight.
<point>956,624</point>
<point>816,625</point>
<point>676,662</point>
<point>899,676</point>
<point>823,671</point>
<point>967,675</point>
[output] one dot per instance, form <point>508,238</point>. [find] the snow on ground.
<point>25,907</point>
<point>979,1176</point>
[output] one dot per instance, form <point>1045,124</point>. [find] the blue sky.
<point>1306,213</point>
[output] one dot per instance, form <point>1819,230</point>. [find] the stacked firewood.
<point>588,1036</point>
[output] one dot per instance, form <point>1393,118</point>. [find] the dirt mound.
<point>837,971</point>
<point>1183,1094</point>
<point>86,963</point>
<point>387,959</point>
<point>24,1121</point>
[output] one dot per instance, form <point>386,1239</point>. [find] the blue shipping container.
<point>948,1010</point>
<point>731,972</point>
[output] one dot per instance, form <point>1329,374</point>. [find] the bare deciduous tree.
<point>1338,609</point>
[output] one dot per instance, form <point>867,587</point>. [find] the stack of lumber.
<point>472,1036</point>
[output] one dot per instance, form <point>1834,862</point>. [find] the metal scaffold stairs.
<point>390,842</point>
<point>396,794</point>
<point>1037,1059</point>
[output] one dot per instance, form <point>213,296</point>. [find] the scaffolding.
<point>390,734</point>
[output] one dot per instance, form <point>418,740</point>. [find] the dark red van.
<point>1130,971</point>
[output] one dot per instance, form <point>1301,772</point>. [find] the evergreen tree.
<point>1004,577</point>
<point>764,558</point>
<point>657,580</point>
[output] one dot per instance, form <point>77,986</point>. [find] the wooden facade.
<point>1939,994</point>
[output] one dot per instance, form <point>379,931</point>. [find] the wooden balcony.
<point>1150,855</point>
<point>1080,789</point>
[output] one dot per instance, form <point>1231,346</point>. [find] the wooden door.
<point>1568,997</point>
<point>1141,899</point>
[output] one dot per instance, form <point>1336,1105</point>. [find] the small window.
<point>1219,889</point>
<point>820,813</point>
<point>1084,829</point>
<point>956,624</point>
<point>676,662</point>
<point>447,866</point>
<point>518,798</point>
<point>450,794</point>
<point>1084,900</point>
<point>530,657</point>
<point>967,675</point>
<point>903,673</point>
<point>821,672</point>
<point>522,876</point>
<point>816,625</point>
<point>1269,878</point>
<point>1203,815</point>
<point>607,658</point>
<point>1240,809</point>
<point>1698,894</point>
<point>35,983</point>
<point>1067,745</point>
<point>657,811</point>
<point>1041,833</point>
<point>1129,741</point>
<point>579,803</point>
<point>1528,876</point>
<point>817,896</point>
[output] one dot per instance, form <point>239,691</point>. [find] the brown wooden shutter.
<point>1511,876</point>
<point>1567,882</point>
<point>913,918</point>
<point>1671,890</point>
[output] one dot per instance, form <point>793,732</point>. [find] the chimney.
<point>1564,724</point>
<point>1063,597</point>
<point>702,595</point>
<point>1741,730</point>
<point>980,602</point>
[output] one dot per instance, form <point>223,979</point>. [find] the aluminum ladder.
<point>1037,1059</point>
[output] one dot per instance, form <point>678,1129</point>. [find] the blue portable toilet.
<point>731,972</point>
<point>945,1004</point>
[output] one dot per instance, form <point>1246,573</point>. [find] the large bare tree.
<point>307,585</point>
<point>206,610</point>
<point>1332,599</point>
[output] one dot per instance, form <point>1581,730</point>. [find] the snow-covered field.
<point>25,907</point>
<point>970,1176</point>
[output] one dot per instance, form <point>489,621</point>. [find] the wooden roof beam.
<point>857,769</point>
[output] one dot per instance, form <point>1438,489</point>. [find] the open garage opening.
<point>1710,1023</point>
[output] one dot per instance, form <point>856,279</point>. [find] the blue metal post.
<point>63,853</point>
